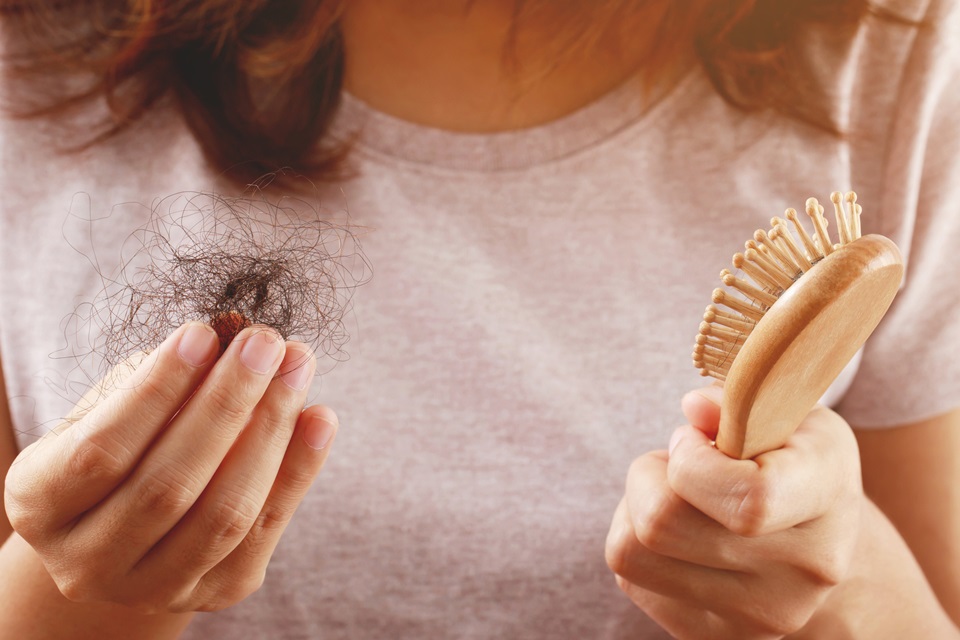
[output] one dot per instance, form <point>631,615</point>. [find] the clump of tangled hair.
<point>231,262</point>
<point>259,82</point>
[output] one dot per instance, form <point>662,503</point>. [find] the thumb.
<point>701,408</point>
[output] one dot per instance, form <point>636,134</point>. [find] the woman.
<point>547,192</point>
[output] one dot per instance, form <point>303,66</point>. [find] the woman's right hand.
<point>172,493</point>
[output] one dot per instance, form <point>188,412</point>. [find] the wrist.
<point>884,595</point>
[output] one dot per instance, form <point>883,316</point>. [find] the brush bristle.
<point>773,260</point>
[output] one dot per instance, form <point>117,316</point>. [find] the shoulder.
<point>892,89</point>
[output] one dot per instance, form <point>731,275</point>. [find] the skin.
<point>808,551</point>
<point>452,65</point>
<point>911,474</point>
<point>787,543</point>
<point>191,470</point>
<point>812,544</point>
<point>8,451</point>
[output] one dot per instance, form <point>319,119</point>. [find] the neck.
<point>479,66</point>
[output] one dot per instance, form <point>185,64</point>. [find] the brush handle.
<point>803,342</point>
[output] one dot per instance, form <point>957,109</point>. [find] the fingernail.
<point>674,441</point>
<point>260,350</point>
<point>299,365</point>
<point>196,344</point>
<point>318,432</point>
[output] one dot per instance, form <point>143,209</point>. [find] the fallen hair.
<point>231,262</point>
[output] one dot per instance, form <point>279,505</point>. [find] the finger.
<point>243,570</point>
<point>701,408</point>
<point>742,600</point>
<point>665,524</point>
<point>688,623</point>
<point>628,558</point>
<point>229,506</point>
<point>676,617</point>
<point>183,460</point>
<point>103,447</point>
<point>99,392</point>
<point>773,492</point>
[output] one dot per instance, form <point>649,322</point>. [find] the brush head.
<point>779,339</point>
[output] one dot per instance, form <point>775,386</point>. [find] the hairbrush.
<point>779,339</point>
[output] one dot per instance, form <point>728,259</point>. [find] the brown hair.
<point>258,82</point>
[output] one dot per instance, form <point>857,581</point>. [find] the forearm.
<point>886,594</point>
<point>31,606</point>
<point>911,474</point>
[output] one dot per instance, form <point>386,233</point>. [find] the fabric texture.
<point>528,327</point>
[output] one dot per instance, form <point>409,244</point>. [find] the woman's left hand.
<point>713,547</point>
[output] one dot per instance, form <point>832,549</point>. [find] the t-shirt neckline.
<point>631,104</point>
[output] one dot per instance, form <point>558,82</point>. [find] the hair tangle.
<point>231,262</point>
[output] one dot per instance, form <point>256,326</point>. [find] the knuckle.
<point>828,568</point>
<point>272,520</point>
<point>16,480</point>
<point>161,389</point>
<point>232,518</point>
<point>164,493</point>
<point>84,573</point>
<point>88,584</point>
<point>277,427</point>
<point>614,556</point>
<point>72,590</point>
<point>178,598</point>
<point>227,405</point>
<point>295,480</point>
<point>77,586</point>
<point>14,489</point>
<point>182,603</point>
<point>24,506</point>
<point>94,460</point>
<point>19,515</point>
<point>654,523</point>
<point>750,513</point>
<point>622,583</point>
<point>617,552</point>
<point>649,535</point>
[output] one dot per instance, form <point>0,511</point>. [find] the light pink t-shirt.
<point>528,327</point>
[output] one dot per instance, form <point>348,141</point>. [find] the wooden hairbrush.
<point>783,338</point>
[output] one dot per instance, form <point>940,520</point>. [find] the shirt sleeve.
<point>911,365</point>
